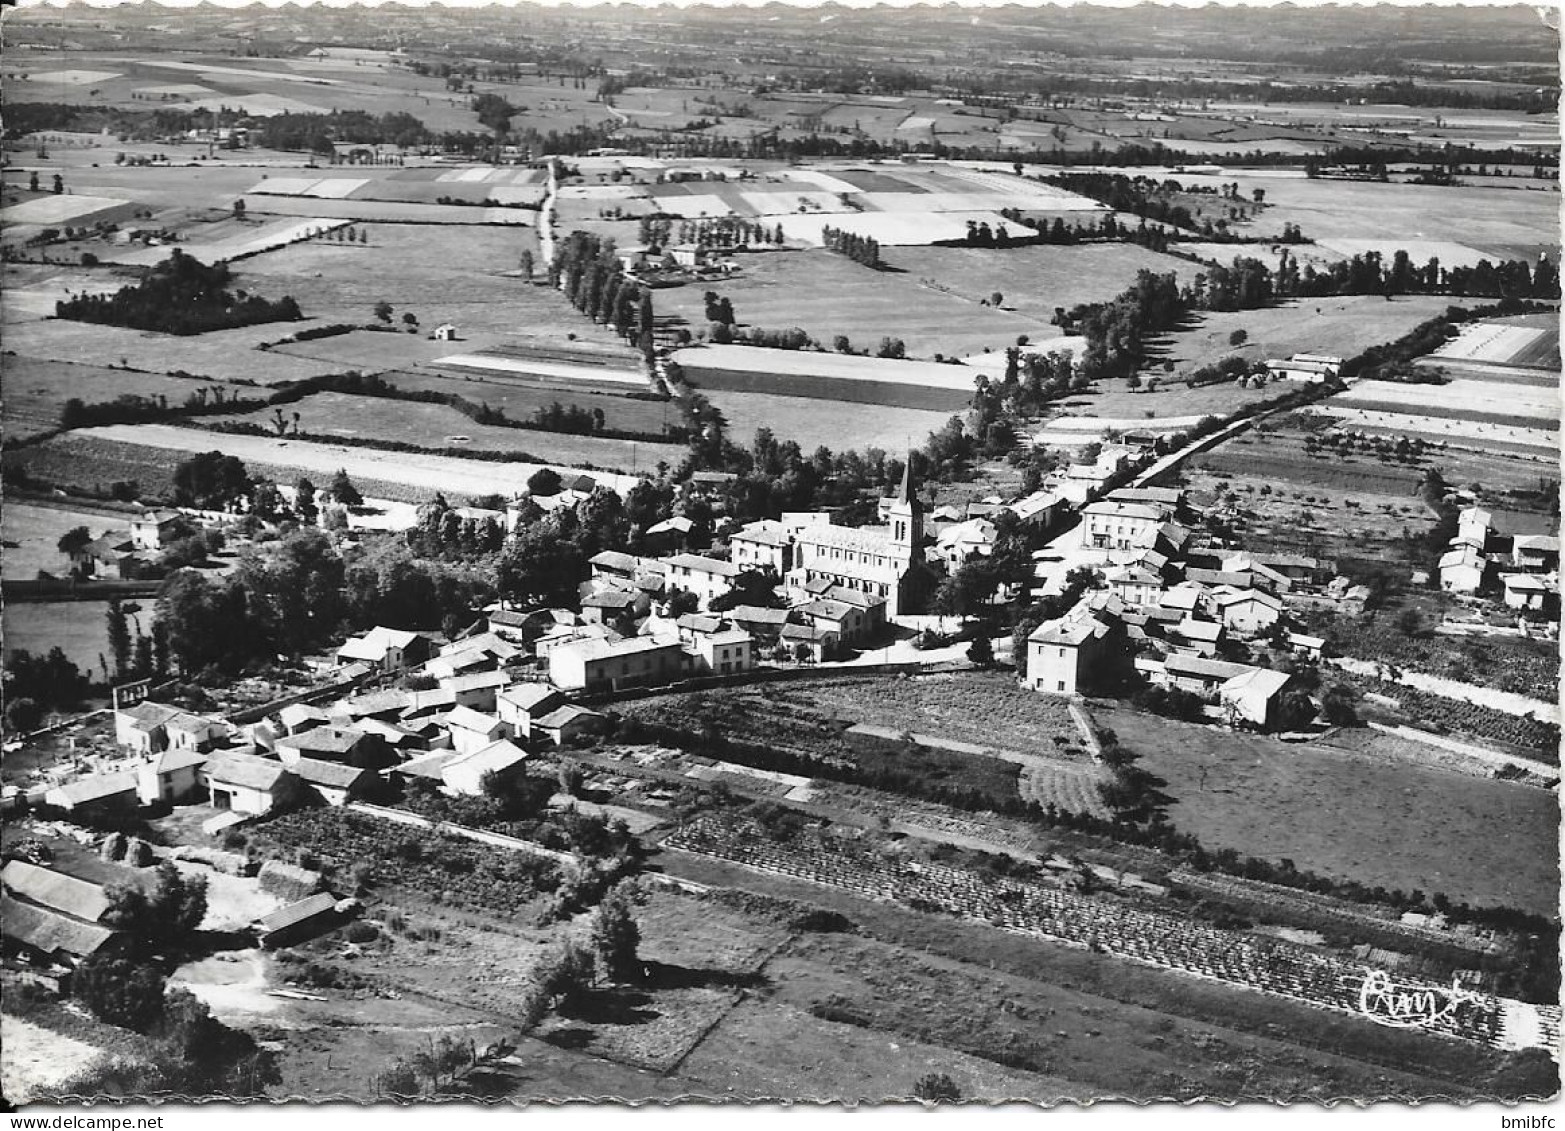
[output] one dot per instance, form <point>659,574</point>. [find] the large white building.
<point>871,559</point>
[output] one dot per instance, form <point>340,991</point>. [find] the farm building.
<point>156,529</point>
<point>96,793</point>
<point>445,332</point>
<point>476,690</point>
<point>566,723</point>
<point>1248,612</point>
<point>465,773</point>
<point>1198,674</point>
<point>761,624</point>
<point>42,937</point>
<point>600,665</point>
<point>1535,553</point>
<point>248,783</point>
<point>1312,368</point>
<point>521,703</point>
<point>1041,509</point>
<point>333,782</point>
<point>144,727</point>
<point>172,776</point>
<point>299,717</point>
<point>472,730</point>
<point>388,649</point>
<point>109,558</point>
<point>1529,591</point>
<point>1462,570</point>
<point>55,891</point>
<point>348,745</point>
<point>194,732</point>
<point>808,643</point>
<point>616,608</point>
<point>314,915</point>
<point>1253,698</point>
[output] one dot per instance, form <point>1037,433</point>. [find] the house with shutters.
<point>707,578</point>
<point>766,544</point>
<point>170,776</point>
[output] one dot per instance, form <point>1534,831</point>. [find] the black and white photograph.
<point>935,555</point>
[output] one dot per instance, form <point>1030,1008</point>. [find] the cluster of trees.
<point>721,231</point>
<point>141,408</point>
<point>718,309</point>
<point>35,685</point>
<point>979,234</point>
<point>314,133</point>
<point>860,249</point>
<point>442,532</point>
<point>593,282</point>
<point>137,655</point>
<point>547,559</point>
<point>181,295</point>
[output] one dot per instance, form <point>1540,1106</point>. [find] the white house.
<point>964,540</point>
<point>144,727</point>
<point>389,649</point>
<point>1109,525</point>
<point>720,653</point>
<point>473,730</point>
<point>522,703</point>
<point>1529,591</point>
<point>601,665</point>
<point>465,773</point>
<point>1248,612</point>
<point>171,776</point>
<point>1462,570</point>
<point>707,578</point>
<point>766,544</point>
<point>248,783</point>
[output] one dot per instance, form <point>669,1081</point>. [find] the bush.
<point>937,1088</point>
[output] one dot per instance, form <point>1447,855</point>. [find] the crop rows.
<point>462,873</point>
<point>1071,789</point>
<point>1153,938</point>
<point>1436,712</point>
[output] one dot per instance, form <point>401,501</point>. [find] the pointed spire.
<point>905,492</point>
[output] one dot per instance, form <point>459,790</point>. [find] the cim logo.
<point>1387,1002</point>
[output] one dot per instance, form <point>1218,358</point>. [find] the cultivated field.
<point>220,355</point>
<point>148,453</point>
<point>36,391</point>
<point>1502,223</point>
<point>440,426</point>
<point>520,398</point>
<point>833,424</point>
<point>1034,280</point>
<point>829,376</point>
<point>1341,326</point>
<point>1504,343</point>
<point>1519,406</point>
<point>826,294</point>
<point>1394,826</point>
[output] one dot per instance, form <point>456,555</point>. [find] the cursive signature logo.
<point>1408,1006</point>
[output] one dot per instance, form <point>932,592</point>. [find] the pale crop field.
<point>1458,399</point>
<point>429,472</point>
<point>1446,428</point>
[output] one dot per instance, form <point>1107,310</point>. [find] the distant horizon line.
<point>859,5</point>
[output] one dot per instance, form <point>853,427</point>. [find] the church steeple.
<point>905,513</point>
